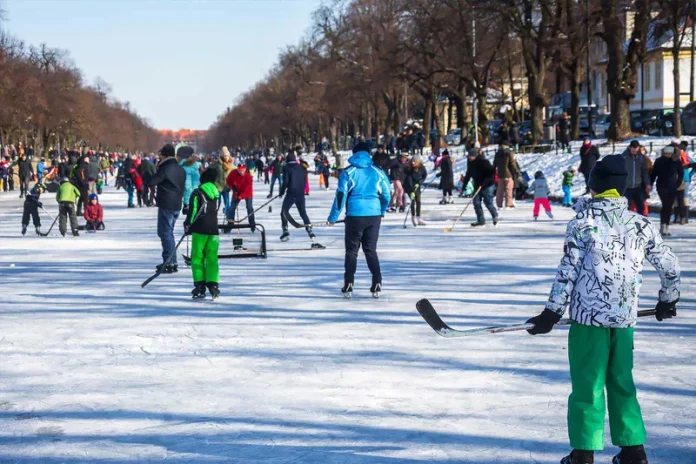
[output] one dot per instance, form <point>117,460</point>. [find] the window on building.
<point>658,76</point>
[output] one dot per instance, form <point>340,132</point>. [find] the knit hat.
<point>538,175</point>
<point>93,197</point>
<point>634,144</point>
<point>291,157</point>
<point>668,150</point>
<point>167,150</point>
<point>609,173</point>
<point>209,175</point>
<point>183,151</point>
<point>445,152</point>
<point>361,146</point>
<point>473,152</point>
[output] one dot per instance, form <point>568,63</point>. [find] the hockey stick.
<point>449,229</point>
<point>298,225</point>
<point>427,311</point>
<point>49,214</point>
<point>255,211</point>
<point>50,228</point>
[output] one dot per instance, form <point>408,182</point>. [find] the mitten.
<point>544,322</point>
<point>665,310</point>
<point>412,195</point>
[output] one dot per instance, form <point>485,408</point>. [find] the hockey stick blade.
<point>430,315</point>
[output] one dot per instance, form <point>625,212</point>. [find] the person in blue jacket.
<point>363,189</point>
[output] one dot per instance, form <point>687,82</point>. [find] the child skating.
<point>567,186</point>
<point>31,208</point>
<point>202,224</point>
<point>540,188</point>
<point>599,278</point>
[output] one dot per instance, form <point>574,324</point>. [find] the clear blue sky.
<point>179,63</point>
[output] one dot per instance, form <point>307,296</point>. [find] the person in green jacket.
<point>201,222</point>
<point>567,186</point>
<point>66,197</point>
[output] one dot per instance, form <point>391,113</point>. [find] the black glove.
<point>187,228</point>
<point>544,322</point>
<point>40,204</point>
<point>665,310</point>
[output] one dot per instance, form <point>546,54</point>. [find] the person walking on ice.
<point>540,188</point>
<point>363,189</point>
<point>599,278</point>
<point>202,224</point>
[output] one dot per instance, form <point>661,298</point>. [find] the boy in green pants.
<point>202,223</point>
<point>599,278</point>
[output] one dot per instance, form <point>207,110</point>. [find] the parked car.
<point>642,118</point>
<point>662,124</point>
<point>454,137</point>
<point>601,125</point>
<point>688,119</point>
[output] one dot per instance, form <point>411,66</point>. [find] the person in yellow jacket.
<point>66,197</point>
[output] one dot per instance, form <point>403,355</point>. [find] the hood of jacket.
<point>361,159</point>
<point>210,190</point>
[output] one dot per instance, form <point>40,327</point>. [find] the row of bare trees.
<point>45,103</point>
<point>363,59</point>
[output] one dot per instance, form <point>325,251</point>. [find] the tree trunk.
<point>438,121</point>
<point>427,118</point>
<point>450,108</point>
<point>459,110</point>
<point>677,96</point>
<point>536,104</point>
<point>575,99</point>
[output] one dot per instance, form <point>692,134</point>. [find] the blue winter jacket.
<point>193,178</point>
<point>363,189</point>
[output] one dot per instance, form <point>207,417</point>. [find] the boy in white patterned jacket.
<point>599,278</point>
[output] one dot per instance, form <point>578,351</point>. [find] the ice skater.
<point>31,208</point>
<point>599,278</point>
<point>363,189</point>
<point>540,188</point>
<point>293,188</point>
<point>66,197</point>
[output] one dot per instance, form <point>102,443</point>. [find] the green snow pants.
<point>204,258</point>
<point>602,358</point>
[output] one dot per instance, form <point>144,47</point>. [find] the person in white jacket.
<point>599,278</point>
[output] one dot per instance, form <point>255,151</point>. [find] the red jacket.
<point>94,213</point>
<point>137,180</point>
<point>242,185</point>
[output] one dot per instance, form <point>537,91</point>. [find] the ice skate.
<point>198,291</point>
<point>214,290</point>
<point>420,221</point>
<point>414,221</point>
<point>478,224</point>
<point>347,290</point>
<point>579,457</point>
<point>631,455</point>
<point>24,230</point>
<point>549,214</point>
<point>285,236</point>
<point>38,231</point>
<point>376,289</point>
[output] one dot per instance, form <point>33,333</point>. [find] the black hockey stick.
<point>427,311</point>
<point>255,211</point>
<point>50,228</point>
<point>299,225</point>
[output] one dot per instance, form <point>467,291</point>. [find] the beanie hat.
<point>474,152</point>
<point>538,175</point>
<point>291,157</point>
<point>609,173</point>
<point>93,197</point>
<point>209,175</point>
<point>634,144</point>
<point>445,152</point>
<point>167,150</point>
<point>361,146</point>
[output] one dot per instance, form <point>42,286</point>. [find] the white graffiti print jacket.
<point>601,272</point>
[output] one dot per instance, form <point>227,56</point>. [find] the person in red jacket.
<point>241,183</point>
<point>94,214</point>
<point>137,181</point>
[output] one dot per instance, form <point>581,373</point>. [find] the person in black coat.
<point>446,176</point>
<point>504,134</point>
<point>293,188</point>
<point>564,132</point>
<point>483,174</point>
<point>25,172</point>
<point>146,171</point>
<point>79,178</point>
<point>415,176</point>
<point>515,139</point>
<point>397,175</point>
<point>170,180</point>
<point>381,159</point>
<point>589,154</point>
<point>669,174</point>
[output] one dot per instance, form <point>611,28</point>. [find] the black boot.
<point>376,289</point>
<point>213,289</point>
<point>478,224</point>
<point>24,230</point>
<point>631,455</point>
<point>579,457</point>
<point>285,236</point>
<point>198,291</point>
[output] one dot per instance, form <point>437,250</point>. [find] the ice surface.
<point>282,369</point>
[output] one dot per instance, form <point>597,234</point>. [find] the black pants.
<point>297,200</point>
<point>636,195</point>
<point>66,209</point>
<point>84,198</point>
<point>667,198</point>
<point>416,204</point>
<point>362,230</point>
<point>681,211</point>
<point>249,207</point>
<point>24,184</point>
<point>31,208</point>
<point>95,226</point>
<point>326,179</point>
<point>446,192</point>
